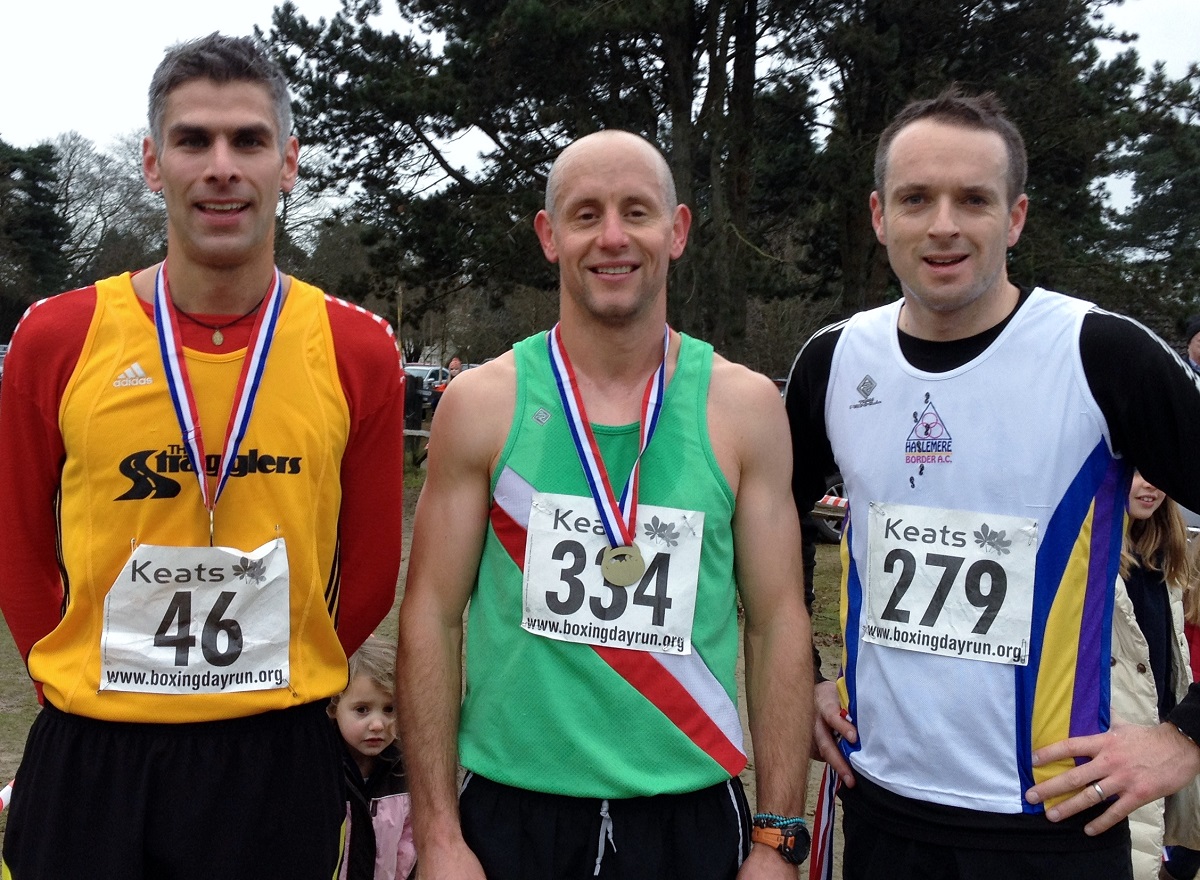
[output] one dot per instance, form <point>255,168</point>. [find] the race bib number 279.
<point>950,582</point>
<point>567,598</point>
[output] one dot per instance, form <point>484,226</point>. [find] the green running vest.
<point>553,716</point>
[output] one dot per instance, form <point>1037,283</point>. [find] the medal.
<point>622,564</point>
<point>170,344</point>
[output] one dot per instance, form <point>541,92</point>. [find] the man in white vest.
<point>986,434</point>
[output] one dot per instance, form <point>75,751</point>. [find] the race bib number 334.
<point>950,582</point>
<point>567,598</point>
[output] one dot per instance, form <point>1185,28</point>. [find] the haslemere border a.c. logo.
<point>929,442</point>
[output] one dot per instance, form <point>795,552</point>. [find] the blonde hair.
<point>1191,589</point>
<point>1161,543</point>
<point>376,659</point>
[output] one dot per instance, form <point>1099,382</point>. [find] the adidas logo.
<point>135,375</point>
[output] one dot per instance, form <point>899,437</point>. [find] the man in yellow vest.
<point>202,468</point>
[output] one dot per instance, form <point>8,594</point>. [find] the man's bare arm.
<point>448,535</point>
<point>750,432</point>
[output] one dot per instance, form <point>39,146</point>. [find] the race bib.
<point>567,598</point>
<point>950,582</point>
<point>198,620</point>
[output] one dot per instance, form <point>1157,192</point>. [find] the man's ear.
<point>150,165</point>
<point>291,165</point>
<point>680,227</point>
<point>545,234</point>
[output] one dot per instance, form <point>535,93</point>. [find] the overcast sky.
<point>84,65</point>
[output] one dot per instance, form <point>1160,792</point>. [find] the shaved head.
<point>580,150</point>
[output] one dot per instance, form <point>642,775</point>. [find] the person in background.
<point>1150,671</point>
<point>379,839</point>
<point>1183,862</point>
<point>202,463</point>
<point>1192,339</point>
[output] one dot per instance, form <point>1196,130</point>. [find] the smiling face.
<point>612,232</point>
<point>366,717</point>
<point>220,168</point>
<point>1144,499</point>
<point>945,219</point>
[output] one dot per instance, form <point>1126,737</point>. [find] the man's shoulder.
<point>736,390</point>
<point>48,319</point>
<point>490,381</point>
<point>817,351</point>
<point>355,327</point>
<point>473,419</point>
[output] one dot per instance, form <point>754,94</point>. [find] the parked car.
<point>830,517</point>
<point>428,376</point>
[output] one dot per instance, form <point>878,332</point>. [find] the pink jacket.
<point>378,822</point>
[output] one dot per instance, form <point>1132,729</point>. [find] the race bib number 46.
<point>950,582</point>
<point>184,620</point>
<point>567,598</point>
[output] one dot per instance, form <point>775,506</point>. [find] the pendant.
<point>622,566</point>
<point>218,337</point>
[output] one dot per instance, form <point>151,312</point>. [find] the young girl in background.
<point>1183,863</point>
<point>1150,673</point>
<point>379,838</point>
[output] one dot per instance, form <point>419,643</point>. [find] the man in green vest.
<point>602,495</point>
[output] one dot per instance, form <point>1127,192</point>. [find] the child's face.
<point>1144,499</point>
<point>366,718</point>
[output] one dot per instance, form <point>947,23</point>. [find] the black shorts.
<point>526,835</point>
<point>873,853</point>
<point>255,797</point>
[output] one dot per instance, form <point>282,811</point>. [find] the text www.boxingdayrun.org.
<point>195,680</point>
<point>944,643</point>
<point>605,635</point>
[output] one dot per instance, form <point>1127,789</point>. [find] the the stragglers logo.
<point>147,469</point>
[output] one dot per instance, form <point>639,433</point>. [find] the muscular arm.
<point>448,535</point>
<point>750,435</point>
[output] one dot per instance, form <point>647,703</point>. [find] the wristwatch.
<point>789,836</point>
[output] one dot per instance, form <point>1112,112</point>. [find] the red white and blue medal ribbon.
<point>170,343</point>
<point>619,516</point>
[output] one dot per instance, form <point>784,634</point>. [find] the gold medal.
<point>622,566</point>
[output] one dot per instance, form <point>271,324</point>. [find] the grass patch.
<point>18,706</point>
<point>827,586</point>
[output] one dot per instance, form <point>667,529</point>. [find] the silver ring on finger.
<point>1099,790</point>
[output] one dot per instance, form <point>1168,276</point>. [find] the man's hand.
<point>765,863</point>
<point>1130,765</point>
<point>828,724</point>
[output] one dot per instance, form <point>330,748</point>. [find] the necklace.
<point>218,337</point>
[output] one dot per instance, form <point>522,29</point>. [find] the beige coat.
<point>1135,699</point>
